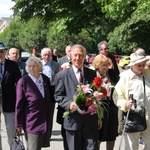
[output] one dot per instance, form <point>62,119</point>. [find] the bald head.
<point>13,54</point>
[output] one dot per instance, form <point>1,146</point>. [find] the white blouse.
<point>38,82</point>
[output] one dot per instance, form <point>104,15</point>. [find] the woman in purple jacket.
<point>33,102</point>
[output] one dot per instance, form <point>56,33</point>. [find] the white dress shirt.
<point>77,72</point>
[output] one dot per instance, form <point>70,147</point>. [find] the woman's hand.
<point>19,129</point>
<point>129,104</point>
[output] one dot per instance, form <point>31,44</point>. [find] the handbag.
<point>136,121</point>
<point>18,142</point>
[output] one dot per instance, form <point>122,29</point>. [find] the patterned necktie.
<point>80,76</point>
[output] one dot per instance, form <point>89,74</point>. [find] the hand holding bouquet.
<point>89,98</point>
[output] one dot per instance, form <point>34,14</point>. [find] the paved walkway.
<point>56,141</point>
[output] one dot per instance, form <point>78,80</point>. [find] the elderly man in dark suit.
<point>65,58</point>
<point>81,130</point>
<point>9,76</point>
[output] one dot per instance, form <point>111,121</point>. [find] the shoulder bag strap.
<point>144,88</point>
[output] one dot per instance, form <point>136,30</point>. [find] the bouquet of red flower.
<point>89,98</point>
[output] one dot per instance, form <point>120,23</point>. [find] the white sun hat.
<point>136,58</point>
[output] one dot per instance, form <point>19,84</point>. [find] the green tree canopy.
<point>33,34</point>
<point>124,23</point>
<point>133,17</point>
<point>10,35</point>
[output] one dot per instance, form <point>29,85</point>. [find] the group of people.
<point>28,99</point>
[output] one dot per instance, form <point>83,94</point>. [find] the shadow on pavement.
<point>56,132</point>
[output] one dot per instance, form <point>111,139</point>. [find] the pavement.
<point>56,139</point>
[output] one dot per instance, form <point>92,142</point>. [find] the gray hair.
<point>12,49</point>
<point>101,43</point>
<point>46,49</point>
<point>78,46</point>
<point>36,60</point>
<point>140,51</point>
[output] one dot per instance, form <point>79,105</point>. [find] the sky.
<point>5,6</point>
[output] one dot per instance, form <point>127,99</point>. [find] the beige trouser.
<point>133,139</point>
<point>10,128</point>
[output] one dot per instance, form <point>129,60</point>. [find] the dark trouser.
<point>74,139</point>
<point>79,140</point>
<point>51,119</point>
<point>52,108</point>
<point>63,133</point>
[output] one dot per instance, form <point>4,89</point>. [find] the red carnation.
<point>97,82</point>
<point>104,91</point>
<point>89,102</point>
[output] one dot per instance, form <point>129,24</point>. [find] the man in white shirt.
<point>50,68</point>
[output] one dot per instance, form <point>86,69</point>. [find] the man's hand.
<point>73,106</point>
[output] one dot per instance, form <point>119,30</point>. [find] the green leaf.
<point>66,113</point>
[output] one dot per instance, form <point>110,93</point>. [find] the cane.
<point>124,129</point>
<point>131,97</point>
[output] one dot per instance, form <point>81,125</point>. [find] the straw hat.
<point>136,58</point>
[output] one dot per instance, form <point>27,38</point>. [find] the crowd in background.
<point>30,90</point>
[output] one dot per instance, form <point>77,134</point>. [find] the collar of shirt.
<point>133,75</point>
<point>47,64</point>
<point>35,79</point>
<point>76,69</point>
<point>68,57</point>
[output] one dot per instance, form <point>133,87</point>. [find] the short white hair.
<point>46,49</point>
<point>36,60</point>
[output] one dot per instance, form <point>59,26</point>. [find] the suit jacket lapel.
<point>86,76</point>
<point>72,76</point>
<point>6,66</point>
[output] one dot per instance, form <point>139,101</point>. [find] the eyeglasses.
<point>105,49</point>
